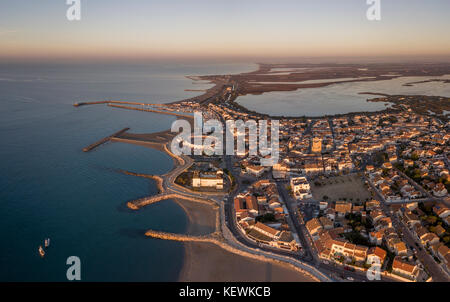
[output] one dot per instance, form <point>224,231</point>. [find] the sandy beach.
<point>206,262</point>
<point>202,217</point>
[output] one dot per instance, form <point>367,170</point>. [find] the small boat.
<point>47,242</point>
<point>41,251</point>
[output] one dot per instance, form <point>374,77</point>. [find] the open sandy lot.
<point>350,186</point>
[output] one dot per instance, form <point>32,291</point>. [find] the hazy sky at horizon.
<point>204,29</point>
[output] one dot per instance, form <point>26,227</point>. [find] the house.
<point>419,231</point>
<point>439,190</point>
<point>370,205</point>
<point>439,230</point>
<point>376,237</point>
<point>313,226</point>
<point>280,170</point>
<point>301,188</point>
<point>323,205</point>
<point>256,171</point>
<point>266,230</point>
<point>387,165</point>
<point>411,219</point>
<point>342,208</point>
<point>400,248</point>
<point>261,200</point>
<point>376,255</point>
<point>441,211</point>
<point>412,206</point>
<point>405,269</point>
<point>247,204</point>
<point>357,209</point>
<point>447,220</point>
<point>383,223</point>
<point>442,252</point>
<point>408,163</point>
<point>343,248</point>
<point>286,241</point>
<point>429,239</point>
<point>331,214</point>
<point>326,223</point>
<point>376,215</point>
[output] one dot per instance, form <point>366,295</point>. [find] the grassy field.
<point>347,187</point>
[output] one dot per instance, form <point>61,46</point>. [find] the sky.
<point>231,29</point>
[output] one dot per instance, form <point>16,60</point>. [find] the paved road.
<point>432,267</point>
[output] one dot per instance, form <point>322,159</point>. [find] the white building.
<point>208,180</point>
<point>301,188</point>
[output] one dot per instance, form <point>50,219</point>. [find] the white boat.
<point>47,242</point>
<point>41,251</point>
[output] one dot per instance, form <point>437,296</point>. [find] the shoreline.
<point>211,262</point>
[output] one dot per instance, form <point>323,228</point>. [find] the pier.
<point>104,140</point>
<point>148,110</point>
<point>144,107</point>
<point>142,202</point>
<point>179,237</point>
<point>114,102</point>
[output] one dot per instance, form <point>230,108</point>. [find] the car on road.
<point>350,279</point>
<point>348,268</point>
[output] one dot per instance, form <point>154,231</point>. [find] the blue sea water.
<point>50,188</point>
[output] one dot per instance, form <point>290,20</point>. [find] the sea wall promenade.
<point>162,108</point>
<point>142,202</point>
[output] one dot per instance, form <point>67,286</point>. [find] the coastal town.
<point>224,150</point>
<point>359,191</point>
<point>351,196</point>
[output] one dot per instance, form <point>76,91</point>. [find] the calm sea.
<point>50,188</point>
